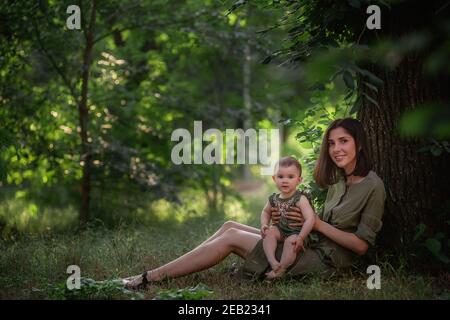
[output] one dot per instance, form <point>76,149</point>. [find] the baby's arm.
<point>308,215</point>
<point>265,218</point>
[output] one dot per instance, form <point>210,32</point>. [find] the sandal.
<point>143,285</point>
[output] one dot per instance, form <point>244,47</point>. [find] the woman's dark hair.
<point>326,172</point>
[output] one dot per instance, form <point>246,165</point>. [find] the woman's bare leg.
<point>228,225</point>
<point>205,256</point>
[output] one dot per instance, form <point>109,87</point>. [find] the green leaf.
<point>436,150</point>
<point>424,149</point>
<point>354,3</point>
<point>348,79</point>
<point>336,74</point>
<point>387,5</point>
<point>349,94</point>
<point>190,293</point>
<point>371,86</point>
<point>433,245</point>
<point>357,105</point>
<point>317,86</point>
<point>420,229</point>
<point>267,60</point>
<point>373,101</point>
<point>443,258</point>
<point>236,5</point>
<point>439,236</point>
<point>373,78</point>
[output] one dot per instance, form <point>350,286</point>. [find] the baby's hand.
<point>264,229</point>
<point>298,244</point>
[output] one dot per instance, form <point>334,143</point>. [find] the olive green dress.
<point>357,208</point>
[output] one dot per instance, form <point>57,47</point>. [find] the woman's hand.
<point>295,214</point>
<point>275,215</point>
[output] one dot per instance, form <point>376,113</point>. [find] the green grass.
<point>31,263</point>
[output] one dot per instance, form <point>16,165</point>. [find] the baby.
<point>287,177</point>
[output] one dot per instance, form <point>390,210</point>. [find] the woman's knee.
<point>229,224</point>
<point>238,241</point>
<point>231,236</point>
<point>230,232</point>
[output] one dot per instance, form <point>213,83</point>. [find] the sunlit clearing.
<point>23,216</point>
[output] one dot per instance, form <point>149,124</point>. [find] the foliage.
<point>150,74</point>
<point>430,124</point>
<point>91,289</point>
<point>199,292</point>
<point>435,241</point>
<point>325,106</point>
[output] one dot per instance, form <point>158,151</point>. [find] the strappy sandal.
<point>143,285</point>
<point>145,281</point>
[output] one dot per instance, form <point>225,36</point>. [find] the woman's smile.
<point>342,149</point>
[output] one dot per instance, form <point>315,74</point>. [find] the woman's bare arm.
<point>346,239</point>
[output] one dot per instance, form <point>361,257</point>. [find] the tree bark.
<point>83,112</point>
<point>415,181</point>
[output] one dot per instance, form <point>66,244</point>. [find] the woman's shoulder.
<point>374,182</point>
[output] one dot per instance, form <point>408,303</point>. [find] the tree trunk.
<point>246,75</point>
<point>84,120</point>
<point>415,181</point>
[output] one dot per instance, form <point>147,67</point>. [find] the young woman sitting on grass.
<point>348,224</point>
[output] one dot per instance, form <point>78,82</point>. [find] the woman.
<point>345,228</point>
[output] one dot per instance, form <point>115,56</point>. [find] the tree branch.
<point>54,64</point>
<point>150,25</point>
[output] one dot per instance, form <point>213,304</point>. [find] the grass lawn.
<point>30,264</point>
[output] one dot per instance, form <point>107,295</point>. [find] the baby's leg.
<point>289,255</point>
<point>287,258</point>
<point>270,245</point>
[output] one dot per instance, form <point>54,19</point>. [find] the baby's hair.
<point>289,161</point>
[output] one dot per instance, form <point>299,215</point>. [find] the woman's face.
<point>342,149</point>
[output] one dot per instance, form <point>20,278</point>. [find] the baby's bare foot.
<point>275,265</point>
<point>270,275</point>
<point>275,274</point>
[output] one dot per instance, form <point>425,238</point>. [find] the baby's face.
<point>287,179</point>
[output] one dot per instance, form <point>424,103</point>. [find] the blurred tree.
<point>88,114</point>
